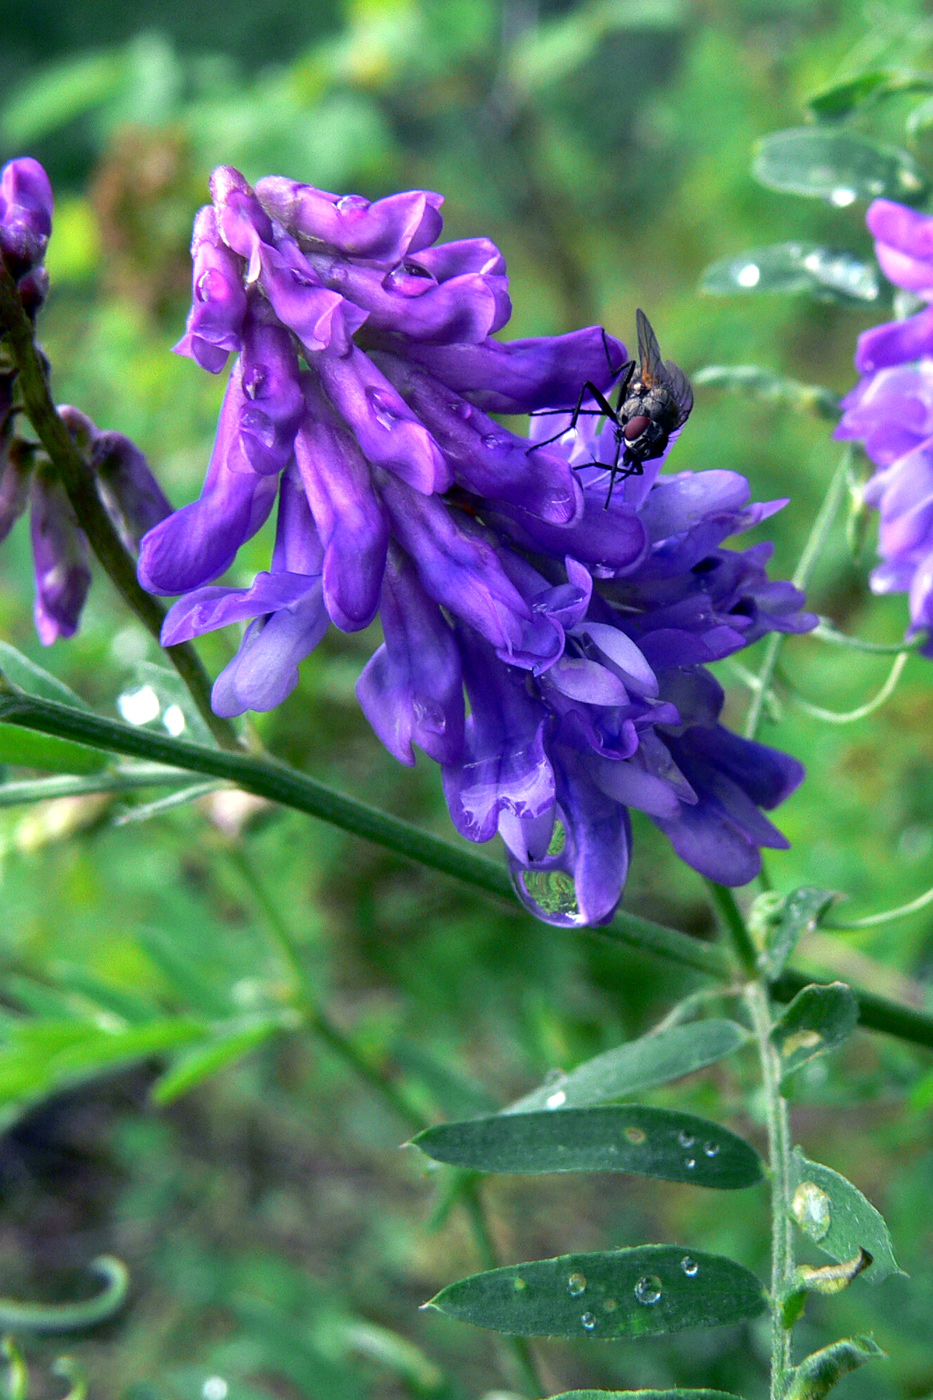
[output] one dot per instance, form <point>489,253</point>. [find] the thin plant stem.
<point>289,788</point>
<point>320,1024</point>
<point>779,1149</point>
<point>79,483</point>
<point>861,711</point>
<point>812,550</point>
<point>128,779</point>
<point>887,916</point>
<point>731,915</point>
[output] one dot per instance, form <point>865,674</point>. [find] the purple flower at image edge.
<point>890,411</point>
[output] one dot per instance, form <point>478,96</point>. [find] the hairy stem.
<point>731,915</point>
<point>78,481</point>
<point>319,1023</point>
<point>779,1147</point>
<point>816,541</point>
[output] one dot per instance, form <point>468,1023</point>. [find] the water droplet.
<point>554,892</point>
<point>749,275</point>
<point>610,1305</point>
<point>589,1321</point>
<point>207,285</point>
<point>690,1163</point>
<point>843,197</point>
<point>711,1149</point>
<point>686,1139</point>
<point>811,1210</point>
<point>635,1134</point>
<point>690,1266</point>
<point>519,1285</point>
<point>461,409</point>
<point>254,381</point>
<point>352,204</point>
<point>556,1100</point>
<point>139,706</point>
<point>494,442</point>
<point>385,414</point>
<point>576,1284</point>
<point>215,1388</point>
<point>648,1289</point>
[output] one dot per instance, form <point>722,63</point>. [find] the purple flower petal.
<point>26,204</point>
<point>215,323</point>
<point>895,342</point>
<point>411,690</point>
<point>130,492</point>
<point>274,404</point>
<point>61,560</point>
<point>265,669</point>
<point>205,609</point>
<point>382,231</point>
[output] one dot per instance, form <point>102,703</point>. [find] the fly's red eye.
<point>635,427</point>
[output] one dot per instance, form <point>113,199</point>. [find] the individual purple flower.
<point>60,557</point>
<point>25,215</point>
<point>364,374</point>
<point>891,412</point>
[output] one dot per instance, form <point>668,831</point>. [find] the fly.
<point>654,400</point>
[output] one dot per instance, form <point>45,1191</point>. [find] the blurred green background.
<point>276,1239</point>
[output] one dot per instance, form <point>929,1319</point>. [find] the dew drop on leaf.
<point>589,1321</point>
<point>811,1210</point>
<point>576,1284</point>
<point>711,1149</point>
<point>690,1266</point>
<point>556,1099</point>
<point>690,1163</point>
<point>686,1139</point>
<point>648,1289</point>
<point>636,1135</point>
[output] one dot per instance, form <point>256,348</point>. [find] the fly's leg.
<point>589,390</point>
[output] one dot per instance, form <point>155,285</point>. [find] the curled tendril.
<point>71,1317</point>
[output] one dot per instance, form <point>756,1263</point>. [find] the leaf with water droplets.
<point>828,274</point>
<point>641,1292</point>
<point>645,1395</point>
<point>836,1215</point>
<point>652,1059</point>
<point>656,1142</point>
<point>819,1019</point>
<point>836,164</point>
<point>782,923</point>
<point>815,1377</point>
<point>841,100</point>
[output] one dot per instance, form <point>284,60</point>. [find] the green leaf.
<point>765,384</point>
<point>199,1064</point>
<point>815,1377</point>
<point>836,164</point>
<point>818,1020</point>
<point>179,714</point>
<point>648,1141</point>
<point>838,1218</point>
<point>645,1395</point>
<point>29,749</point>
<point>36,681</point>
<point>842,98</point>
<point>639,1064</point>
<point>642,1292</point>
<point>780,924</point>
<point>828,274</point>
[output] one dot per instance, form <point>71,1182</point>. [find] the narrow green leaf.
<point>60,93</point>
<point>837,164</point>
<point>815,1377</point>
<point>639,1064</point>
<point>179,714</point>
<point>642,1292</point>
<point>645,1395</point>
<point>37,681</point>
<point>775,388</point>
<point>842,98</point>
<point>828,274</point>
<point>781,923</point>
<point>100,1049</point>
<point>838,1218</point>
<point>198,1064</point>
<point>28,749</point>
<point>655,1142</point>
<point>818,1020</point>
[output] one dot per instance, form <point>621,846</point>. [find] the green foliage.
<point>817,1375</point>
<point>827,274</point>
<point>818,1020</point>
<point>836,1216</point>
<point>649,1141</point>
<point>643,1292</point>
<point>839,165</point>
<point>780,921</point>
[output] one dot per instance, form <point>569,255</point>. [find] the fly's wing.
<point>649,353</point>
<point>679,386</point>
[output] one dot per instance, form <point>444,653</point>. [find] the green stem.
<point>130,779</point>
<point>812,550</point>
<point>887,916</point>
<point>779,1148</point>
<point>861,711</point>
<point>78,481</point>
<point>283,785</point>
<point>372,1074</point>
<point>731,915</point>
<point>71,1317</point>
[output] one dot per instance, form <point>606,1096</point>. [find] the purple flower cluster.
<point>128,489</point>
<point>360,401</point>
<point>891,412</point>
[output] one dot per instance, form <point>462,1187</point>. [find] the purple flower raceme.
<point>891,412</point>
<point>579,633</point>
